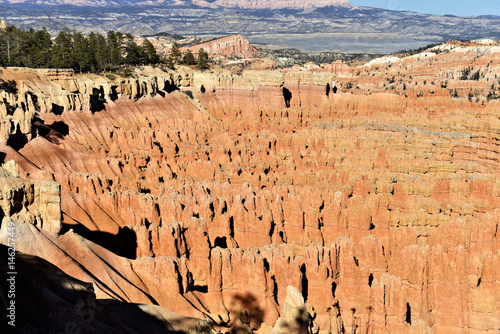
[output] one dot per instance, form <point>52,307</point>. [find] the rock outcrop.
<point>229,46</point>
<point>22,200</point>
<point>48,300</point>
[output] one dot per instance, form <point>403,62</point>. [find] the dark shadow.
<point>202,89</point>
<point>10,86</point>
<point>113,96</point>
<point>220,242</point>
<point>298,325</point>
<point>305,283</point>
<point>59,303</point>
<point>199,288</point>
<point>334,89</point>
<point>61,127</point>
<point>408,314</point>
<point>245,307</point>
<point>287,95</point>
<point>53,132</point>
<point>2,157</point>
<point>129,318</point>
<point>189,93</point>
<point>17,140</point>
<point>170,87</point>
<point>327,90</point>
<point>370,280</point>
<point>334,288</point>
<point>122,244</point>
<point>97,100</point>
<point>57,109</point>
<point>275,290</point>
<point>10,109</point>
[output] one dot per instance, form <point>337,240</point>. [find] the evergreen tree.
<point>92,43</point>
<point>175,53</point>
<point>133,51</point>
<point>10,45</point>
<point>101,53</point>
<point>189,58</point>
<point>82,58</point>
<point>115,46</point>
<point>202,59</point>
<point>62,50</point>
<point>149,51</point>
<point>169,62</point>
<point>44,43</point>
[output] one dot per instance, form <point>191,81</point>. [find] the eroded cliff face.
<point>230,46</point>
<point>378,207</point>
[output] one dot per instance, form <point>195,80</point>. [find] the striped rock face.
<point>267,195</point>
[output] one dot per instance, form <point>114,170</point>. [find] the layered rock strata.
<point>378,203</point>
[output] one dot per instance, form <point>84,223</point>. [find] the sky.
<point>453,7</point>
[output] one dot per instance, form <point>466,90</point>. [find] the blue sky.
<point>454,7</point>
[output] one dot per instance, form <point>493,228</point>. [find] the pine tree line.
<point>92,53</point>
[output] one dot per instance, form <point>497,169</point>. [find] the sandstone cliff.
<point>230,46</point>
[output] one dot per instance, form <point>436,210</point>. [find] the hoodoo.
<point>255,202</point>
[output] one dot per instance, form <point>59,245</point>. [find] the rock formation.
<point>229,46</point>
<point>48,300</point>
<point>371,209</point>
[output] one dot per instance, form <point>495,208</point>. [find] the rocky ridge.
<point>376,204</point>
<point>230,46</point>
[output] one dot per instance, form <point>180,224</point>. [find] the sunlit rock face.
<point>267,195</point>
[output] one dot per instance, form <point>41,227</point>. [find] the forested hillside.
<point>92,53</point>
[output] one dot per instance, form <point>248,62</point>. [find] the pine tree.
<point>202,59</point>
<point>149,51</point>
<point>175,53</point>
<point>115,46</point>
<point>102,53</point>
<point>44,43</point>
<point>133,51</point>
<point>62,50</point>
<point>169,62</point>
<point>81,53</point>
<point>189,58</point>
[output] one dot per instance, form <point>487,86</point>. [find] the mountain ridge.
<point>246,4</point>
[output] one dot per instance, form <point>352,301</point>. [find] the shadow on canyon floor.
<point>122,244</point>
<point>43,292</point>
<point>54,132</point>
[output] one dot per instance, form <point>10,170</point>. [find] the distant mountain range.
<point>323,25</point>
<point>247,4</point>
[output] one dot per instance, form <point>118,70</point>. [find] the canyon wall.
<point>248,199</point>
<point>230,46</point>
